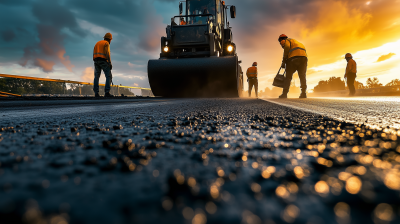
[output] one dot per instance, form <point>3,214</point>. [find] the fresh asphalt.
<point>155,160</point>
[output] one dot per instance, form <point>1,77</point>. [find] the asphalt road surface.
<point>375,112</point>
<point>198,161</point>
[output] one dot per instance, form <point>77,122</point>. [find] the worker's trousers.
<point>351,78</point>
<point>253,82</point>
<point>105,66</point>
<point>294,64</point>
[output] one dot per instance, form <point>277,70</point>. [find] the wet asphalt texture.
<point>192,161</point>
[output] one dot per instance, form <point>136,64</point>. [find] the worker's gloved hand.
<point>283,65</point>
<point>110,66</point>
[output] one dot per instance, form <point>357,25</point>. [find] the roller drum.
<point>194,77</point>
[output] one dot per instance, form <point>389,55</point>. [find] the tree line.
<point>27,86</point>
<point>332,84</point>
<point>337,84</point>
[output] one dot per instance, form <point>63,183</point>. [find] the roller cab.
<point>198,56</point>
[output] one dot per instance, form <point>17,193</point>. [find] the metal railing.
<point>79,88</point>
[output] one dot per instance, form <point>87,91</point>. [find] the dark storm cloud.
<point>12,2</point>
<point>53,18</point>
<point>8,35</point>
<point>134,21</point>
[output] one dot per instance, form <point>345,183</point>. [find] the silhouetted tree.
<point>359,85</point>
<point>333,84</point>
<point>274,92</point>
<point>394,82</point>
<point>373,83</point>
<point>26,86</point>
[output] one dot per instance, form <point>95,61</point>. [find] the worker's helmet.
<point>281,37</point>
<point>255,64</point>
<point>108,36</point>
<point>348,55</point>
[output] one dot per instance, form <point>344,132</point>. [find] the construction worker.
<point>252,74</point>
<point>182,22</point>
<point>102,61</point>
<point>351,73</point>
<point>294,59</point>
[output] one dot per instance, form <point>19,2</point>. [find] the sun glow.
<point>382,62</point>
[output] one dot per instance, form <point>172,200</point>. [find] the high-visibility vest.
<point>295,48</point>
<point>252,72</point>
<point>99,50</point>
<point>351,67</point>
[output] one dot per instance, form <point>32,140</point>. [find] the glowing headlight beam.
<point>166,49</point>
<point>230,48</point>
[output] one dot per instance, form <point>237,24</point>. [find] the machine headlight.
<point>230,48</point>
<point>166,49</point>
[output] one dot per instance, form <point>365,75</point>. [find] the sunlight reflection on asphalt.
<point>375,112</point>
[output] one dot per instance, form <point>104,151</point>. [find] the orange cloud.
<point>88,74</point>
<point>385,57</point>
<point>47,66</point>
<point>65,59</point>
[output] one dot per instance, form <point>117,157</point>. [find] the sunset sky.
<point>55,38</point>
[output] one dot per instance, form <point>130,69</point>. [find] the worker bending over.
<point>351,73</point>
<point>252,74</point>
<point>102,61</point>
<point>294,59</point>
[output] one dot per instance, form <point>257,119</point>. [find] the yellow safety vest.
<point>293,48</point>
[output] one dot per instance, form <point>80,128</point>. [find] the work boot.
<point>96,95</point>
<point>108,95</point>
<point>283,96</point>
<point>303,95</point>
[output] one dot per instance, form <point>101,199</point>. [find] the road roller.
<point>198,56</point>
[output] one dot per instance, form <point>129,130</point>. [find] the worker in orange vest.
<point>182,22</point>
<point>102,61</point>
<point>252,74</point>
<point>294,59</point>
<point>351,73</point>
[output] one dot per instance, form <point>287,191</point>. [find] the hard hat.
<point>281,37</point>
<point>255,64</point>
<point>108,36</point>
<point>348,55</point>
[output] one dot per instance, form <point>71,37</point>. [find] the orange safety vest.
<point>99,50</point>
<point>295,48</point>
<point>252,72</point>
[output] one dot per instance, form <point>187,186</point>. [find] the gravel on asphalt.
<point>194,161</point>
